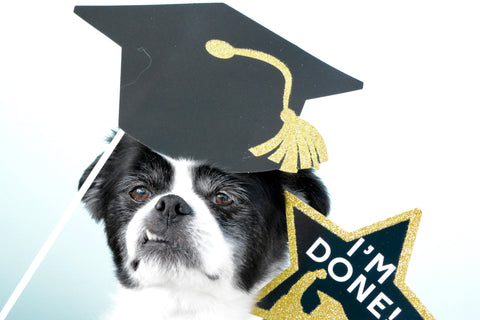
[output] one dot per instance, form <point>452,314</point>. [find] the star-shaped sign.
<point>334,274</point>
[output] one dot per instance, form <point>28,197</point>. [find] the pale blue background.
<point>408,139</point>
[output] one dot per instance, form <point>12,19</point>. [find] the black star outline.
<point>413,217</point>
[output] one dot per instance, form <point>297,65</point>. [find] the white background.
<point>408,140</point>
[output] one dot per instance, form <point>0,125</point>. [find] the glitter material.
<point>297,140</point>
<point>289,307</point>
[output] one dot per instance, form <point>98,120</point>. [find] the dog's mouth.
<point>150,243</point>
<point>154,238</point>
<point>165,248</point>
<point>169,250</point>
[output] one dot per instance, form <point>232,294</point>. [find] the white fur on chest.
<point>162,304</point>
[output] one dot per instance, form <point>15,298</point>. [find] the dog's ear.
<point>93,195</point>
<point>306,185</point>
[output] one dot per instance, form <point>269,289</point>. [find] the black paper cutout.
<point>181,101</point>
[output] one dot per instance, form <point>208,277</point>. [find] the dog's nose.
<point>172,206</point>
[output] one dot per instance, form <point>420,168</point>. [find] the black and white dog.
<point>191,241</point>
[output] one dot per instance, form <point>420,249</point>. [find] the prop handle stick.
<point>59,226</point>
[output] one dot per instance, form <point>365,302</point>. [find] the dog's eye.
<point>140,194</point>
<point>222,199</point>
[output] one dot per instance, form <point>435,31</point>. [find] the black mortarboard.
<point>219,101</point>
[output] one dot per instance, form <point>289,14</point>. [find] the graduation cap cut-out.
<point>204,81</point>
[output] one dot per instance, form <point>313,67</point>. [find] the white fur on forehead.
<point>215,251</point>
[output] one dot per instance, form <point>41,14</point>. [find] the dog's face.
<point>176,221</point>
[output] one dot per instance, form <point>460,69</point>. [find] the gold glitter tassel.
<point>297,138</point>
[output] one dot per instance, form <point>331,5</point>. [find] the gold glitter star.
<point>289,305</point>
